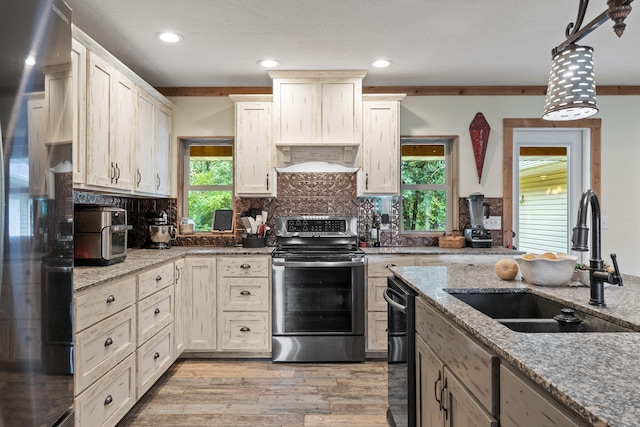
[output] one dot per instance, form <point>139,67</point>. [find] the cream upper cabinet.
<point>317,107</point>
<point>153,138</point>
<point>381,144</point>
<point>110,114</point>
<point>254,173</point>
<point>79,100</point>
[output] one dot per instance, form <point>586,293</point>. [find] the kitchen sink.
<point>531,313</point>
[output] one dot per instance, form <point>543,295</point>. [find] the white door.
<point>548,166</point>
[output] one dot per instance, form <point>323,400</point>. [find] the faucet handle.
<point>617,278</point>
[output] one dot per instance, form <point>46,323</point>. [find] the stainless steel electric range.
<point>318,290</point>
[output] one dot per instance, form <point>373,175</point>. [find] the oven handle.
<point>387,297</point>
<point>327,264</point>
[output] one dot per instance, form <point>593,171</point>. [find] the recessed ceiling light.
<point>31,60</point>
<point>169,37</point>
<point>268,63</point>
<point>381,63</point>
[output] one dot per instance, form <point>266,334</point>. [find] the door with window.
<point>548,180</point>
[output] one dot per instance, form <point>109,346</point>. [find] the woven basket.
<point>451,242</point>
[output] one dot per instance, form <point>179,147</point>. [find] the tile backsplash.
<point>299,193</point>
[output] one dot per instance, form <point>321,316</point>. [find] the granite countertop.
<point>435,250</point>
<point>595,374</point>
<point>141,259</point>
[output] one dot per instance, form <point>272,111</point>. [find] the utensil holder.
<point>254,242</point>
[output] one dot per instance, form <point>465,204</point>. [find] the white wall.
<point>452,115</point>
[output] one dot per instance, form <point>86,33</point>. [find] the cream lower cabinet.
<point>456,378</point>
<point>199,305</point>
<point>244,321</point>
<point>522,405</point>
<point>377,272</point>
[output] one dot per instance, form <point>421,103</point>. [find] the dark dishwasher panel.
<point>401,353</point>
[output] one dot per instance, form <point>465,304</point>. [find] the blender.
<point>478,236</point>
<point>160,233</point>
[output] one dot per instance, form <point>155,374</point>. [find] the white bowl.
<point>547,272</point>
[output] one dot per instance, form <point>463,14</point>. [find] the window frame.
<point>184,160</point>
<point>450,186</point>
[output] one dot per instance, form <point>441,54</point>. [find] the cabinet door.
<point>100,138</point>
<point>180,298</point>
<point>297,111</point>
<point>38,159</point>
<point>145,178</point>
<point>380,143</point>
<point>429,383</point>
<point>79,100</point>
<point>338,122</point>
<point>253,171</point>
<point>162,150</point>
<point>461,408</point>
<point>123,148</point>
<point>200,303</point>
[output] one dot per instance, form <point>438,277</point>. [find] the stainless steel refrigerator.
<point>36,294</point>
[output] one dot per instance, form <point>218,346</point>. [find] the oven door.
<point>318,310</point>
<point>318,297</point>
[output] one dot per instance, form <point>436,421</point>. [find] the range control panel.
<point>317,225</point>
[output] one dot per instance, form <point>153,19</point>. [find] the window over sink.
<point>207,179</point>
<point>428,194</point>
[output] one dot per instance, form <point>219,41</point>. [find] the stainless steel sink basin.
<point>531,313</point>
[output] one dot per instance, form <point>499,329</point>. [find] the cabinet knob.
<point>390,265</point>
<point>110,299</point>
<point>158,278</point>
<point>245,293</point>
<point>108,342</point>
<point>156,311</point>
<point>156,355</point>
<point>366,181</point>
<point>108,400</point>
<point>245,266</point>
<point>245,329</point>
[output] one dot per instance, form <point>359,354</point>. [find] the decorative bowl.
<point>547,272</point>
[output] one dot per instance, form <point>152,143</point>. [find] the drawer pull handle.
<point>158,278</point>
<point>245,293</point>
<point>108,400</point>
<point>156,311</point>
<point>156,355</point>
<point>435,390</point>
<point>108,342</point>
<point>390,265</point>
<point>110,299</point>
<point>245,329</point>
<point>442,395</point>
<point>245,266</point>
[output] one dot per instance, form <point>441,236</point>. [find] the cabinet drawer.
<point>154,313</point>
<point>377,331</point>
<point>522,405</point>
<point>100,303</point>
<point>153,280</point>
<point>245,331</point>
<point>109,399</point>
<point>244,266</point>
<point>378,265</point>
<point>240,294</point>
<point>154,358</point>
<point>375,289</point>
<point>469,361</point>
<point>103,346</point>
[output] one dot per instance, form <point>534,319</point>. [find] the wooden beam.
<point>409,90</point>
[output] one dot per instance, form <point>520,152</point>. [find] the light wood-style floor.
<point>198,392</point>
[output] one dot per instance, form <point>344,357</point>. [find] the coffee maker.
<point>478,236</point>
<point>160,233</point>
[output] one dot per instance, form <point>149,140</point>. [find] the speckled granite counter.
<point>595,374</point>
<point>140,259</point>
<point>435,250</point>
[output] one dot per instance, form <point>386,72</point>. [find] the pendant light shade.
<point>571,94</point>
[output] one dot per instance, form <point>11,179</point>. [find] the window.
<point>428,193</point>
<point>207,179</point>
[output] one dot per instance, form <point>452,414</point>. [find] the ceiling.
<point>431,42</point>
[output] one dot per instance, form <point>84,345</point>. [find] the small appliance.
<point>160,233</point>
<point>100,234</point>
<point>478,236</point>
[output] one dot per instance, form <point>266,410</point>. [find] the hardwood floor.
<point>198,392</point>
